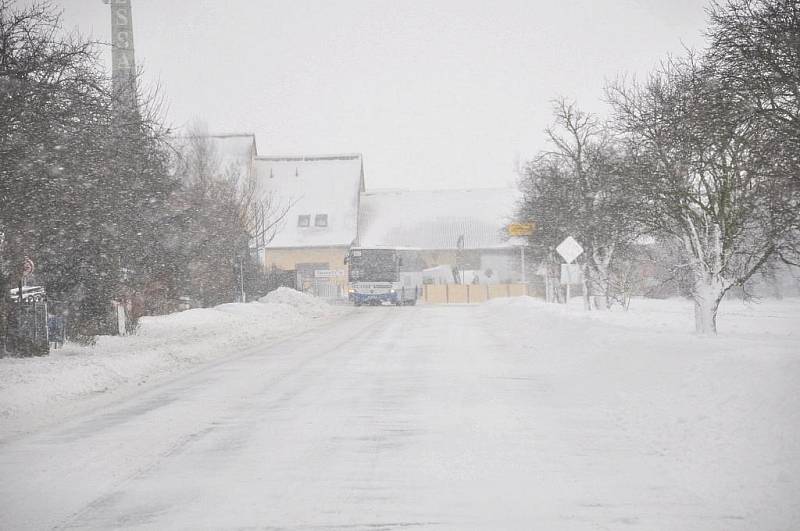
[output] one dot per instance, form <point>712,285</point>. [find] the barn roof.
<point>436,219</point>
<point>235,148</point>
<point>314,185</point>
<point>228,150</point>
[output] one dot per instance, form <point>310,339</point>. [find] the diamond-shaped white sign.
<point>569,249</point>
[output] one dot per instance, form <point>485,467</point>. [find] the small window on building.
<point>321,220</point>
<point>303,220</point>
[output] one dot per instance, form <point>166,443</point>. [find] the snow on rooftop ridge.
<point>250,139</point>
<point>437,219</point>
<point>499,189</point>
<point>384,248</point>
<point>228,149</point>
<point>216,135</point>
<point>310,158</point>
<point>233,135</point>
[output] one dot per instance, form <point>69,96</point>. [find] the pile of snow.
<point>302,302</point>
<point>162,345</point>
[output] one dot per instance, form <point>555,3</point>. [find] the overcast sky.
<point>435,94</point>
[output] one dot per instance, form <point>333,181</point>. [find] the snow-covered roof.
<point>229,150</point>
<point>436,219</point>
<point>235,149</point>
<point>314,185</point>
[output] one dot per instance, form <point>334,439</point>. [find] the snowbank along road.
<point>499,416</point>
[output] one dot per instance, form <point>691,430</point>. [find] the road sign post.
<point>460,259</point>
<point>517,230</point>
<point>27,267</point>
<point>569,249</point>
<point>521,230</point>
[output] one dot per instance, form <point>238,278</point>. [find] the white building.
<point>322,194</point>
<point>459,228</point>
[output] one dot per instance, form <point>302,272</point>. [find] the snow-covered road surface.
<point>504,416</point>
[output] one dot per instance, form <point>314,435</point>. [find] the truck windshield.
<point>373,265</point>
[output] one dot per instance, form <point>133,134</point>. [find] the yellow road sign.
<point>521,229</point>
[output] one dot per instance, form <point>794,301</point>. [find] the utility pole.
<point>241,278</point>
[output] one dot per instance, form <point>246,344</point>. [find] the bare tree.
<point>755,51</point>
<point>717,176</point>
<point>580,188</point>
<point>545,199</point>
<point>227,215</point>
<point>755,46</point>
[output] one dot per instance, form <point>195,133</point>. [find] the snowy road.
<point>415,418</point>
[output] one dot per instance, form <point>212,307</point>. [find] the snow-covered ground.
<point>759,319</point>
<point>35,389</point>
<point>675,430</point>
<point>513,414</point>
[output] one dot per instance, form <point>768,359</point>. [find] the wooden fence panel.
<point>478,293</point>
<point>457,293</point>
<point>434,294</point>
<point>517,290</point>
<point>469,293</point>
<point>497,291</point>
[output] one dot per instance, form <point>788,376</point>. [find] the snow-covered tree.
<point>82,194</point>
<point>717,176</point>
<point>580,188</point>
<point>755,51</point>
<point>545,200</point>
<point>755,47</point>
<point>224,215</point>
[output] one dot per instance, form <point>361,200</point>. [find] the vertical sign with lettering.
<point>123,64</point>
